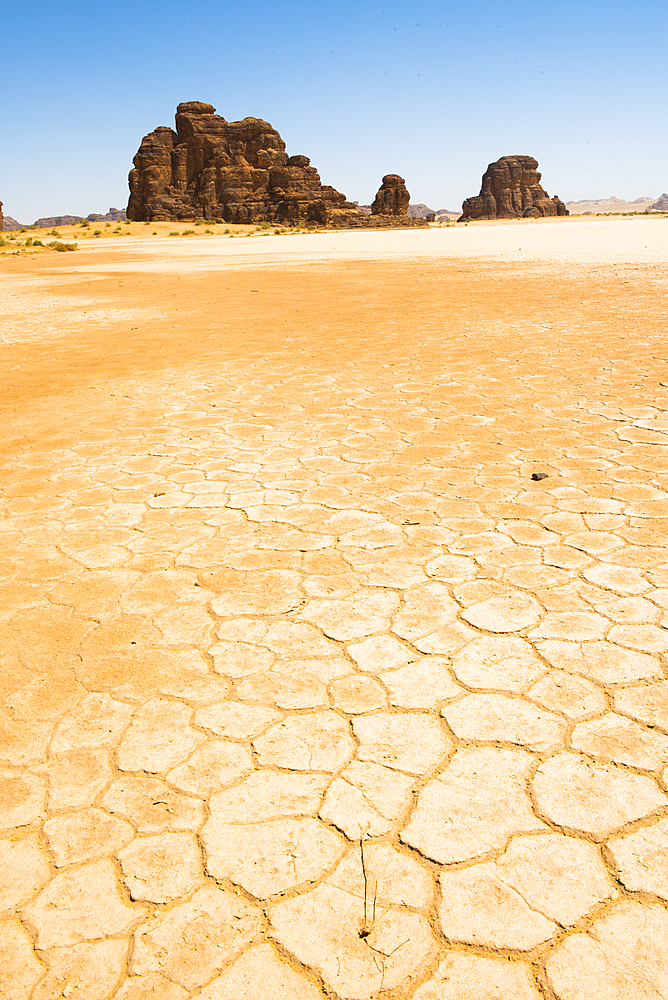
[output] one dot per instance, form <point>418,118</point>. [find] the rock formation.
<point>392,197</point>
<point>228,171</point>
<point>661,204</point>
<point>511,190</point>
<point>2,218</point>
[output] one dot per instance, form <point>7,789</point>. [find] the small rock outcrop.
<point>392,197</point>
<point>661,204</point>
<point>237,172</point>
<point>511,190</point>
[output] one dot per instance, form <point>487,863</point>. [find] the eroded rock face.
<point>511,190</point>
<point>392,197</point>
<point>2,218</point>
<point>229,171</point>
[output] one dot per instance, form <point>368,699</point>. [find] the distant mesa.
<point>511,190</point>
<point>661,204</point>
<point>52,221</point>
<point>446,215</point>
<point>236,172</point>
<point>392,197</point>
<point>609,206</point>
<point>113,215</point>
<point>57,220</point>
<point>420,211</point>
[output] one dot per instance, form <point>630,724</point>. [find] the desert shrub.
<point>227,231</point>
<point>62,247</point>
<point>85,224</point>
<point>37,243</point>
<point>107,225</point>
<point>208,230</point>
<point>174,233</point>
<point>264,225</point>
<point>97,232</point>
<point>2,242</point>
<point>188,232</point>
<point>53,232</point>
<point>154,233</point>
<point>128,221</point>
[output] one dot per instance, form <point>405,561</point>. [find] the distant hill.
<point>57,220</point>
<point>420,211</point>
<point>10,224</point>
<point>113,215</point>
<point>661,204</point>
<point>596,206</point>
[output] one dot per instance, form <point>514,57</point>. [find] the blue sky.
<point>433,91</point>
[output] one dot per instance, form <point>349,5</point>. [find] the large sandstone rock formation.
<point>392,197</point>
<point>511,190</point>
<point>228,171</point>
<point>2,218</point>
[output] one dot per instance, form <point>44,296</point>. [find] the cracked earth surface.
<point>308,689</point>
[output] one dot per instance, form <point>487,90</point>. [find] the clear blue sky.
<point>433,91</point>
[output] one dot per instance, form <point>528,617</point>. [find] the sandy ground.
<point>309,689</point>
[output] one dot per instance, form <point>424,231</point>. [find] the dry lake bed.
<point>334,616</point>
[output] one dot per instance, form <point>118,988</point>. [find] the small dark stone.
<point>537,476</point>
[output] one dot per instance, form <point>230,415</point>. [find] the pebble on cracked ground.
<point>315,684</point>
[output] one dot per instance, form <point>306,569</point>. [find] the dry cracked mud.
<point>308,688</point>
